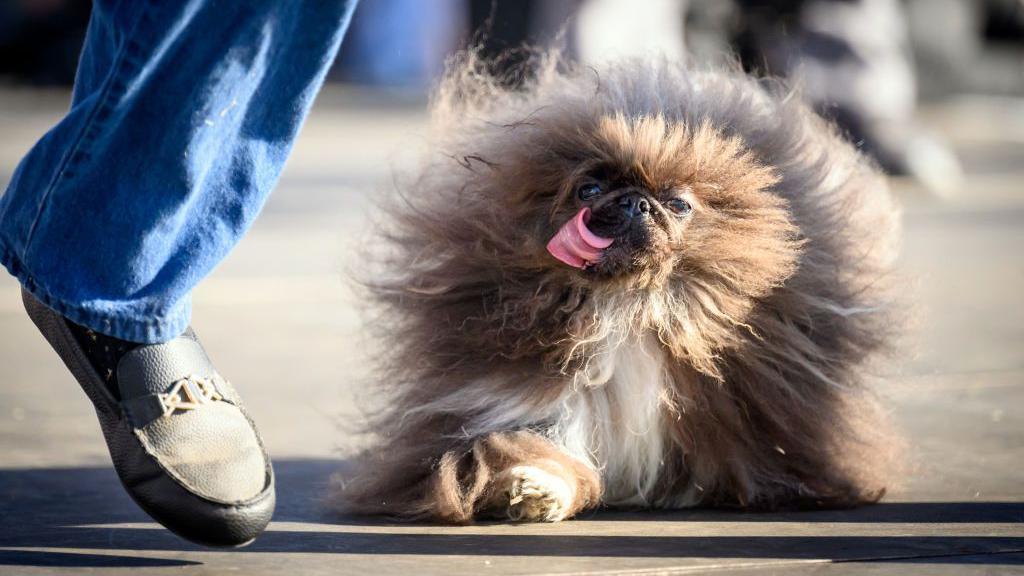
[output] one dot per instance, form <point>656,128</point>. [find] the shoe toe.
<point>215,484</point>
<point>212,452</point>
<point>199,520</point>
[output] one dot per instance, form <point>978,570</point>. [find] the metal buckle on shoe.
<point>189,393</point>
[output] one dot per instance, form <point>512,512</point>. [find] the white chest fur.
<point>615,420</point>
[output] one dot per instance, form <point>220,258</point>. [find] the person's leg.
<point>851,60</point>
<point>182,117</point>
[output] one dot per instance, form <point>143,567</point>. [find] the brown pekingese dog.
<point>641,285</point>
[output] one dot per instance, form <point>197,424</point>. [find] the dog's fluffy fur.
<point>719,361</point>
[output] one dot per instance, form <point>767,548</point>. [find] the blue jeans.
<point>182,116</point>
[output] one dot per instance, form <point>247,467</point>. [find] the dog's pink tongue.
<point>575,244</point>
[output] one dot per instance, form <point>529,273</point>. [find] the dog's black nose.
<point>634,204</point>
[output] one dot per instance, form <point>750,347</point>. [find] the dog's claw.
<point>537,495</point>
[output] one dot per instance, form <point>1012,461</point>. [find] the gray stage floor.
<point>281,323</point>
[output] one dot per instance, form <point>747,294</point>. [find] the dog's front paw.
<point>535,495</point>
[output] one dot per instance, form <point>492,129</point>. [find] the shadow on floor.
<point>943,549</point>
<point>85,508</point>
<point>76,560</point>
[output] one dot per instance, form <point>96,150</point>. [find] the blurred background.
<point>932,89</point>
<point>868,64</point>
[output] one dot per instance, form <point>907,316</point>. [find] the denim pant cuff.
<point>130,325</point>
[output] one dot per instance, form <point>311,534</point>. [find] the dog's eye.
<point>588,191</point>
<point>679,206</point>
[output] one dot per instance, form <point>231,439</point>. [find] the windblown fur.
<point>724,366</point>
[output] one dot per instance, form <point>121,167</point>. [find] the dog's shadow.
<point>75,509</point>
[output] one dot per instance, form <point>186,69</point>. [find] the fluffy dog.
<point>641,285</point>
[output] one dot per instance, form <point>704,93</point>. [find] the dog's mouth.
<point>576,245</point>
<point>602,242</point>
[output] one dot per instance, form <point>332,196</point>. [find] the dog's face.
<point>677,204</point>
<point>644,220</point>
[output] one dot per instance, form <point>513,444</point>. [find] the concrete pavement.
<point>279,320</point>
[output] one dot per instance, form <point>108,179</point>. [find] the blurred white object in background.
<point>877,78</point>
<point>612,29</point>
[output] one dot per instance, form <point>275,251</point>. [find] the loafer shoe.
<point>181,442</point>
